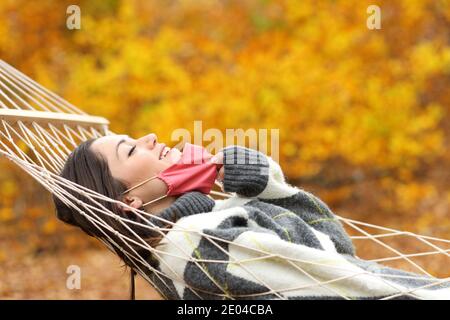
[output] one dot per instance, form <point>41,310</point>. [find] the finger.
<point>218,158</point>
<point>220,175</point>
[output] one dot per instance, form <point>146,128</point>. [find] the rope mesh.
<point>40,149</point>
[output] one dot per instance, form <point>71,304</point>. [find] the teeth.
<point>164,153</point>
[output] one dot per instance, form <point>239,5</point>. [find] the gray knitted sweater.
<point>286,240</point>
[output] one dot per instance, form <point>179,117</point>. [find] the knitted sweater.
<point>286,239</point>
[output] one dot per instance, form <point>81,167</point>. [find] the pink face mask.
<point>193,172</point>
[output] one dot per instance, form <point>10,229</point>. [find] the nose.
<point>149,140</point>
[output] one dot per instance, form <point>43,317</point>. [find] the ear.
<point>132,201</point>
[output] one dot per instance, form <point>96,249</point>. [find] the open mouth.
<point>164,151</point>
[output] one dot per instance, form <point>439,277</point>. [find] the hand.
<point>218,159</point>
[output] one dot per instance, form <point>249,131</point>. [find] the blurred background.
<point>363,114</point>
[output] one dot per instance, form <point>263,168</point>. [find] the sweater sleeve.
<point>245,171</point>
<point>252,174</point>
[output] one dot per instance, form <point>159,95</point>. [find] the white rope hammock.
<point>38,129</point>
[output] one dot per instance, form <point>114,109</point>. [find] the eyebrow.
<point>117,147</point>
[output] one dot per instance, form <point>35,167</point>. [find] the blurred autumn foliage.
<point>363,114</point>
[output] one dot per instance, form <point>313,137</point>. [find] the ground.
<point>44,277</point>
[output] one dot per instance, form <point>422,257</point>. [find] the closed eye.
<point>131,151</point>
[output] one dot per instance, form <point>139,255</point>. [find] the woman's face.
<point>134,160</point>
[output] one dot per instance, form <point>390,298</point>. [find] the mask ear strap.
<point>139,184</point>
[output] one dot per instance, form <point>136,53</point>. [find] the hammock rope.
<point>38,129</point>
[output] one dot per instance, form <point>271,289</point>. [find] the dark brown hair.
<point>88,169</point>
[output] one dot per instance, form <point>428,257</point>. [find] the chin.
<point>174,156</point>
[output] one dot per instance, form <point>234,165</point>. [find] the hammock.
<point>38,129</point>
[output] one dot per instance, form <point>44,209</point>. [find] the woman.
<point>304,240</point>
